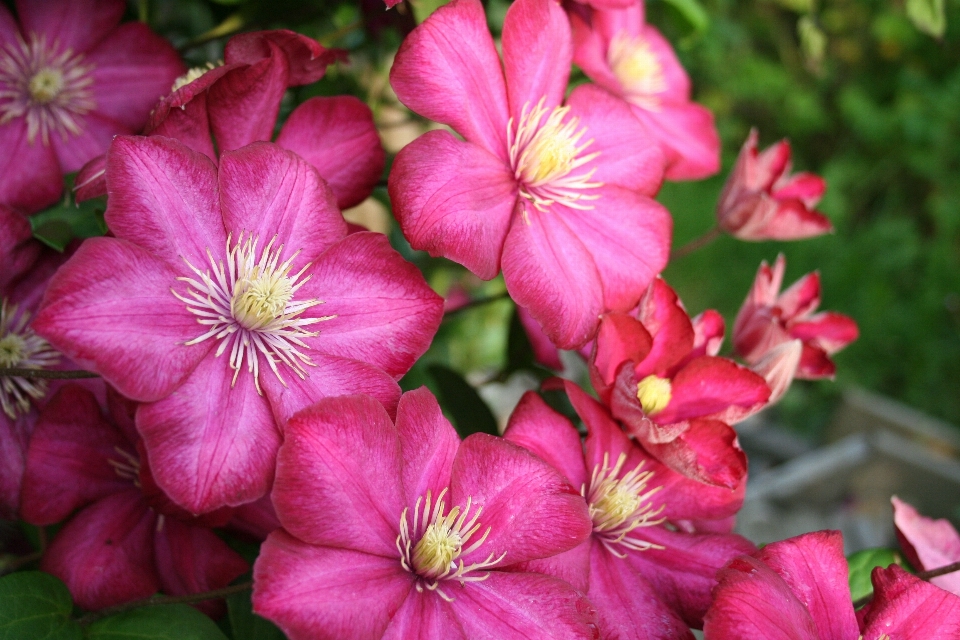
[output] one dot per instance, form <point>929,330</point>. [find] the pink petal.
<point>77,25</point>
<point>664,317</point>
<point>928,543</point>
<point>306,59</point>
<point>523,606</point>
<point>105,553</point>
<point>778,368</point>
<point>453,199</point>
<point>338,137</point>
<point>428,444</point>
<point>256,519</point>
<point>193,559</point>
<point>605,440</point>
<point>96,133</point>
<point>793,221</point>
<point>270,192</point>
<point>815,364</point>
<point>538,428</point>
<point>448,70</point>
<point>677,89</point>
<point>341,456</point>
<point>531,511</point>
<point>189,123</point>
<point>214,442</point>
<point>573,566</point>
<point>707,451</point>
<point>706,386</point>
<point>133,69</point>
<point>164,198</point>
<point>244,103</point>
<point>384,312</point>
<point>630,608</point>
<point>806,187</point>
<point>30,177</point>
<point>323,593</point>
<point>329,376</point>
<point>904,606</point>
<point>801,298</point>
<point>708,330</point>
<point>14,439</point>
<point>590,48</point>
<point>754,603</point>
<point>70,455</point>
<point>18,249</point>
<point>687,136</point>
<point>815,569</point>
<point>686,499</point>
<point>549,270</point>
<point>829,331</point>
<point>424,615</point>
<point>91,180</point>
<point>8,26</point>
<point>544,351</point>
<point>110,309</point>
<point>537,53</point>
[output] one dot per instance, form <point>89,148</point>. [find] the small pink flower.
<point>71,78</point>
<point>762,200</point>
<point>127,540</point>
<point>768,319</point>
<point>658,537</point>
<point>927,543</point>
<point>624,55</point>
<point>428,536</point>
<point>556,192</point>
<point>798,589</point>
<point>228,299</point>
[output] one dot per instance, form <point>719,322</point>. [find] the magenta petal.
<point>904,606</point>
<point>212,443</point>
<point>424,615</point>
<point>306,59</point>
<point>538,428</point>
<point>70,456</point>
<point>109,308</point>
<point>688,137</point>
<point>707,451</point>
<point>754,603</point>
<point>708,385</point>
<point>338,137</point>
<point>190,123</point>
<point>621,339</point>
<point>814,567</point>
<point>531,510</point>
<point>928,543</point>
<point>91,180</point>
<point>453,199</point>
<point>523,606</point>
<point>321,593</point>
<point>14,439</point>
<point>544,351</point>
<point>604,438</point>
<point>663,315</point>
<point>30,177</point>
<point>384,313</point>
<point>96,133</point>
<point>685,498</point>
<point>77,25</point>
<point>193,559</point>
<point>428,444</point>
<point>629,607</point>
<point>829,331</point>
<point>244,103</point>
<point>163,197</point>
<point>18,249</point>
<point>448,70</point>
<point>267,191</point>
<point>105,553</point>
<point>537,53</point>
<point>341,456</point>
<point>8,26</point>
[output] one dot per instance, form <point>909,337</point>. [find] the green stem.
<point>47,374</point>
<point>476,303</point>
<point>93,616</point>
<point>697,243</point>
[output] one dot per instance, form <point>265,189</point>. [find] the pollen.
<point>654,394</point>
<point>619,505</point>
<point>634,63</point>
<point>194,73</point>
<point>21,348</point>
<point>46,85</point>
<point>547,152</point>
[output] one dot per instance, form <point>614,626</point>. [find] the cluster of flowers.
<point>249,341</point>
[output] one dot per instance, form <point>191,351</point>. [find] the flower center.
<point>545,152</point>
<point>48,87</point>
<point>654,394</point>
<point>250,306</point>
<point>636,66</point>
<point>21,348</point>
<point>442,538</point>
<point>619,505</point>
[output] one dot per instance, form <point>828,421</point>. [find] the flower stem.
<point>48,374</point>
<point>476,303</point>
<point>93,616</point>
<point>697,243</point>
<point>923,575</point>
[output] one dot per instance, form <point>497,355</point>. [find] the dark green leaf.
<point>60,224</point>
<point>163,622</point>
<point>519,349</point>
<point>467,410</point>
<point>37,606</point>
<point>245,624</point>
<point>862,563</point>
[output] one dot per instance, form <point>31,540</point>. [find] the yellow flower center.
<point>21,348</point>
<point>45,85</point>
<point>619,505</point>
<point>261,297</point>
<point>12,349</point>
<point>636,66</point>
<point>192,74</point>
<point>654,394</point>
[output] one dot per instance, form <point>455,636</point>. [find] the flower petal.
<point>96,133</point>
<point>663,315</point>
<point>31,178</point>
<point>76,25</point>
<point>687,135</point>
<point>14,440</point>
<point>928,543</point>
<point>708,385</point>
<point>539,429</point>
<point>904,606</point>
<point>424,615</point>
<point>537,52</point>
<point>621,339</point>
<point>428,444</point>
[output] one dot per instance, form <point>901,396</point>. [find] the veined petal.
<point>424,615</point>
<point>306,59</point>
<point>904,606</point>
<point>688,137</point>
<point>928,543</point>
<point>663,315</point>
<point>708,385</point>
<point>706,450</point>
<point>96,133</point>
<point>537,53</point>
<point>453,199</point>
<point>77,25</point>
<point>621,339</point>
<point>31,173</point>
<point>244,103</point>
<point>428,444</point>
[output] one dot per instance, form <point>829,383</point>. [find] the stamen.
<point>194,73</point>
<point>654,394</point>
<point>618,506</point>
<point>21,348</point>
<point>636,66</point>
<point>249,307</point>
<point>443,538</point>
<point>544,154</point>
<point>127,467</point>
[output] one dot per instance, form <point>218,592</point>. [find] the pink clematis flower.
<point>797,589</point>
<point>659,375</point>
<point>429,536</point>
<point>127,540</point>
<point>762,200</point>
<point>768,319</point>
<point>927,543</point>
<point>619,51</point>
<point>556,193</point>
<point>230,298</point>
<point>71,78</point>
<point>658,537</point>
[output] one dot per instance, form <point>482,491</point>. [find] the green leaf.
<point>800,6</point>
<point>861,564</point>
<point>813,42</point>
<point>693,12</point>
<point>245,624</point>
<point>163,622</point>
<point>519,349</point>
<point>467,410</point>
<point>928,16</point>
<point>60,224</point>
<point>423,8</point>
<point>36,605</point>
